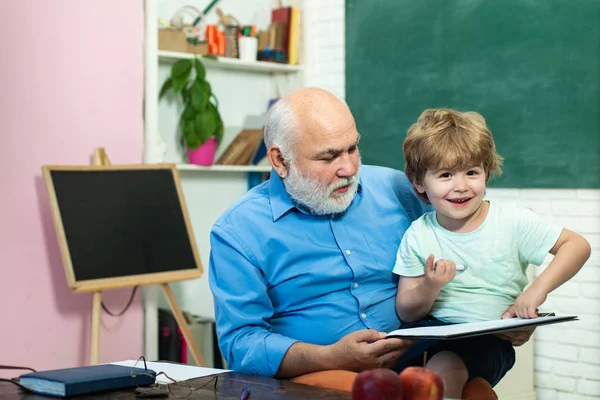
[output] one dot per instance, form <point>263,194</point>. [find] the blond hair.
<point>444,138</point>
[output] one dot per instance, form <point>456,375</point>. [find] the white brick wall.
<point>324,48</point>
<point>568,355</point>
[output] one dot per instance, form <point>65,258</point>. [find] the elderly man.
<point>301,266</point>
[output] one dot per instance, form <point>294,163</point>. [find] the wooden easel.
<point>101,159</point>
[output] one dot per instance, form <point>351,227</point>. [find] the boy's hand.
<point>519,336</point>
<point>440,273</point>
<point>526,305</point>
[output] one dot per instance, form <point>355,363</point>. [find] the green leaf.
<point>210,57</point>
<point>189,114</point>
<point>193,143</point>
<point>200,71</point>
<point>220,130</point>
<point>179,83</point>
<point>165,87</point>
<point>207,89</point>
<point>180,74</point>
<point>198,99</point>
<point>185,94</point>
<point>188,132</point>
<point>205,125</point>
<point>181,67</point>
<point>212,96</point>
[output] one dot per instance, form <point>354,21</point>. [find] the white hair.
<point>281,126</point>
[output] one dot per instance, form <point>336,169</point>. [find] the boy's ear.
<point>419,188</point>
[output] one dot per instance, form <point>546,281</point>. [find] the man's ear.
<point>277,161</point>
<point>419,188</point>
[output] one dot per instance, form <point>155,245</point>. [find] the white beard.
<point>318,197</point>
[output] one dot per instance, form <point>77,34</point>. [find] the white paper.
<point>475,327</point>
<point>179,372</point>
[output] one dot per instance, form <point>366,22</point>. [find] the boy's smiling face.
<point>457,196</point>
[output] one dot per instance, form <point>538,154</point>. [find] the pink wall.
<point>71,75</point>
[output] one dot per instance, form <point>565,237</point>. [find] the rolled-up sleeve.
<point>242,307</point>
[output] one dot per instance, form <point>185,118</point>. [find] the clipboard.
<point>470,329</point>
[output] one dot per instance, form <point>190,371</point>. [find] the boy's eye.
<point>445,175</point>
<point>473,172</point>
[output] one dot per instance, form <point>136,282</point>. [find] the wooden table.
<point>229,386</point>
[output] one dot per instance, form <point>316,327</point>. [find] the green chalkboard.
<point>530,67</point>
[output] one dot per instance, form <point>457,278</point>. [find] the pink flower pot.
<point>204,154</point>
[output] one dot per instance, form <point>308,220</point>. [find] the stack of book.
<point>247,148</point>
<point>290,18</point>
<point>281,43</point>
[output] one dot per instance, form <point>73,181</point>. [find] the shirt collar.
<point>281,202</point>
<point>280,199</point>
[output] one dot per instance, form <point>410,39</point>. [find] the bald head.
<point>311,103</point>
<point>303,115</point>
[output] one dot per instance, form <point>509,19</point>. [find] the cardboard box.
<point>172,40</point>
<point>175,40</point>
<point>200,49</point>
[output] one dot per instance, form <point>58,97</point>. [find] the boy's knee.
<point>450,366</point>
<point>446,361</point>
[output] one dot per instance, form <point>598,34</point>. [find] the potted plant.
<point>200,122</point>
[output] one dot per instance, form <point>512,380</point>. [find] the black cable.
<point>144,360</point>
<point>126,307</point>
<point>16,367</point>
<point>16,380</point>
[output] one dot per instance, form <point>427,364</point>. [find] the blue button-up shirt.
<point>279,275</point>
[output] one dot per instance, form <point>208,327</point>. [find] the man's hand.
<point>526,305</point>
<point>367,349</point>
<point>519,336</point>
<point>440,273</point>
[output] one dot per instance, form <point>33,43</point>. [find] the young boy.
<point>466,261</point>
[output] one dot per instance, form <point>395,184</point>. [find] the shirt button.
<point>348,252</point>
<point>363,315</point>
<point>355,285</point>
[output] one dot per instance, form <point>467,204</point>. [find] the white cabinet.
<point>243,89</point>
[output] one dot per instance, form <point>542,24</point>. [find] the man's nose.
<point>348,165</point>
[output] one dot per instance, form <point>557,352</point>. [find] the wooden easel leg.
<point>185,329</point>
<point>95,333</point>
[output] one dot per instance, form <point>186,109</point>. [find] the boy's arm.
<point>413,300</point>
<point>416,294</point>
<point>570,252</point>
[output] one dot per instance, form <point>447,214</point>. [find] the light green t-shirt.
<point>496,256</point>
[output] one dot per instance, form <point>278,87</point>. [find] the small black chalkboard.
<point>121,226</point>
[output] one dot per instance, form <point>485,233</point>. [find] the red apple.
<point>421,384</point>
<point>377,384</point>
